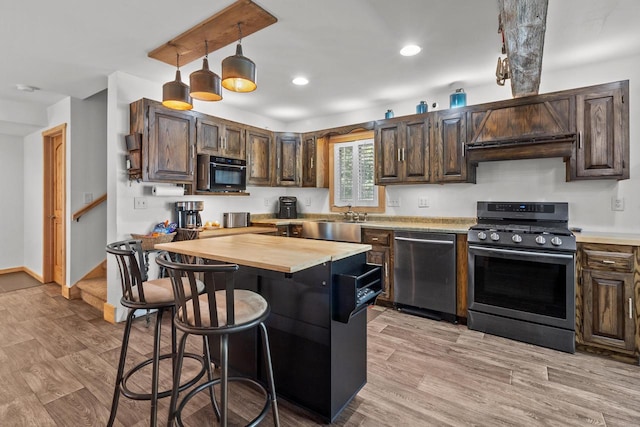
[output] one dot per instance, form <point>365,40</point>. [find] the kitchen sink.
<point>336,230</point>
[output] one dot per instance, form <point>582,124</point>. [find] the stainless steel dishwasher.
<point>424,274</point>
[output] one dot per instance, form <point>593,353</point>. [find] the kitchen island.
<point>317,325</point>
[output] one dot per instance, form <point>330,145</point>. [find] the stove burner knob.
<point>482,235</point>
<point>541,240</point>
<point>495,237</point>
<point>516,238</point>
<point>556,241</point>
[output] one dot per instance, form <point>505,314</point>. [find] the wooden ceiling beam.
<point>524,23</point>
<point>219,30</point>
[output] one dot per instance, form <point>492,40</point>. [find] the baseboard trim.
<point>72,292</point>
<point>24,269</point>
<point>109,313</point>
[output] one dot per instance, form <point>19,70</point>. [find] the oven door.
<point>528,285</point>
<point>226,177</point>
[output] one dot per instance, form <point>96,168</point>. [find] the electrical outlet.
<point>617,204</point>
<point>88,198</point>
<point>266,202</point>
<point>423,202</point>
<point>394,203</point>
<point>307,201</point>
<point>140,203</point>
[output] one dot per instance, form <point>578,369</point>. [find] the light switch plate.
<point>88,198</point>
<point>423,202</point>
<point>394,203</point>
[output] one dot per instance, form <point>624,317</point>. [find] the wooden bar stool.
<point>219,311</point>
<point>141,294</point>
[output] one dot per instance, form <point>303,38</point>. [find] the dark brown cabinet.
<point>260,157</point>
<point>309,161</point>
<point>602,122</point>
<point>220,137</point>
<point>450,147</point>
<point>168,142</point>
<point>381,254</point>
<point>403,151</point>
<point>606,317</point>
<point>288,160</point>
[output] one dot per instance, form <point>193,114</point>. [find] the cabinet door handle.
<point>580,140</point>
<point>608,261</point>
<point>375,239</point>
<point>630,308</point>
<point>399,155</point>
<point>463,148</point>
<point>386,272</point>
<point>404,152</point>
<point>312,162</point>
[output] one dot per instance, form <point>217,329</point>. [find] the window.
<point>352,174</point>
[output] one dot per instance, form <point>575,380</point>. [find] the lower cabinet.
<point>381,254</point>
<point>606,307</point>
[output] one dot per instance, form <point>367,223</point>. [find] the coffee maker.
<point>288,207</point>
<point>188,214</point>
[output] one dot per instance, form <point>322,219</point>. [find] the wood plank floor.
<point>58,360</point>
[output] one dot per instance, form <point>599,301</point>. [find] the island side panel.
<point>318,363</point>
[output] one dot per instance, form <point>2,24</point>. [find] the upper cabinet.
<point>403,151</point>
<point>288,160</point>
<point>602,123</point>
<point>450,147</point>
<point>168,142</point>
<point>315,161</point>
<point>260,157</point>
<point>220,137</point>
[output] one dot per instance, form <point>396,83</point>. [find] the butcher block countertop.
<point>275,253</point>
<point>459,225</point>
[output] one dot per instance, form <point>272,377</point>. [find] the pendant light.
<point>175,94</point>
<point>205,84</point>
<point>238,71</point>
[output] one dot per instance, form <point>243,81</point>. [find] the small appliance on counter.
<point>288,207</point>
<point>236,219</point>
<point>188,214</point>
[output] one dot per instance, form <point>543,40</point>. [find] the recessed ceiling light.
<point>300,81</point>
<point>410,50</point>
<point>26,88</point>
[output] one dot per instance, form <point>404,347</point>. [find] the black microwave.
<point>221,174</point>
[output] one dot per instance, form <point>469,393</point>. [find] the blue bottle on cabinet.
<point>458,99</point>
<point>422,107</point>
<point>388,114</point>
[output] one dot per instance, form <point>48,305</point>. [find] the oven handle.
<point>508,251</point>
<point>217,165</point>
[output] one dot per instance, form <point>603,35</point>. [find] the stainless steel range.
<point>522,273</point>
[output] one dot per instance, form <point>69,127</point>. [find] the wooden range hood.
<point>522,128</point>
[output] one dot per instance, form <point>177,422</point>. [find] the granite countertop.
<point>607,237</point>
<point>273,253</point>
<point>219,232</point>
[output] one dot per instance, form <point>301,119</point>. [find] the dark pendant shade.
<point>239,72</point>
<point>205,84</point>
<point>175,94</point>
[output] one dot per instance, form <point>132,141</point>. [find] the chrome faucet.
<point>348,215</point>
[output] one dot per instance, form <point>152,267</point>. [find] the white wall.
<point>11,214</point>
<point>87,174</point>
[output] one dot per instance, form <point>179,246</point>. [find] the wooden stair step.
<point>94,291</point>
